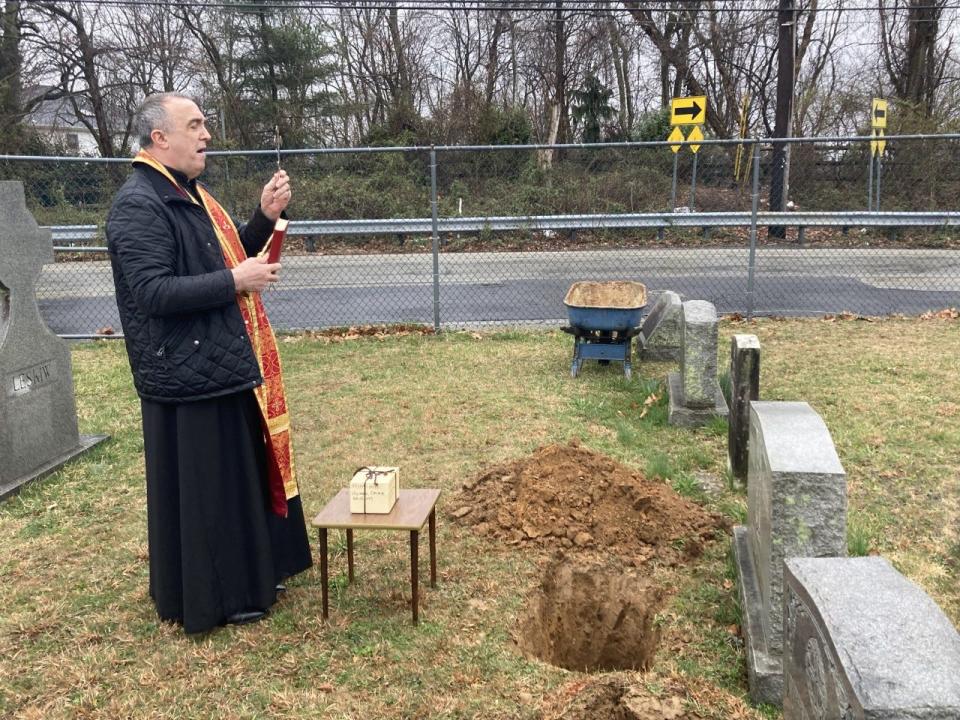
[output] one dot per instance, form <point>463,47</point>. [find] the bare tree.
<point>912,49</point>
<point>732,59</point>
<point>10,73</point>
<point>154,45</point>
<point>382,53</point>
<point>217,35</point>
<point>671,37</point>
<point>818,77</point>
<point>96,88</point>
<point>621,54</point>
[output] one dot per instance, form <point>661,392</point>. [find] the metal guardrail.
<point>412,226</point>
<point>658,221</point>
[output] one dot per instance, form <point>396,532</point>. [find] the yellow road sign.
<point>879,145</point>
<point>688,110</point>
<point>676,136</point>
<point>878,114</point>
<point>695,134</point>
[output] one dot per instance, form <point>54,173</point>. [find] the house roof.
<point>56,113</point>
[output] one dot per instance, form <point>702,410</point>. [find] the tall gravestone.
<point>38,417</point>
<point>659,337</point>
<point>796,507</point>
<point>861,641</point>
<point>695,395</point>
<point>744,387</point>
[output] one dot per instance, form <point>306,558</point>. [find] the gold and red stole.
<point>271,397</point>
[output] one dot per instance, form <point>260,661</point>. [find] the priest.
<point>225,523</point>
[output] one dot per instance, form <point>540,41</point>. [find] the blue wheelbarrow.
<point>604,318</point>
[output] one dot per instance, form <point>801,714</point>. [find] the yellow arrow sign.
<point>676,136</point>
<point>695,134</point>
<point>879,145</point>
<point>878,114</point>
<point>688,110</point>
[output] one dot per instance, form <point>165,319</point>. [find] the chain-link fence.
<point>454,236</point>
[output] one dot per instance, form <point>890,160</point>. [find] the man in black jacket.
<point>224,519</point>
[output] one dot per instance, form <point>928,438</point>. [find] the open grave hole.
<point>588,617</point>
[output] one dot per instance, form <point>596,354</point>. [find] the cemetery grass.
<point>79,636</point>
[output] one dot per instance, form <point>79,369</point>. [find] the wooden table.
<point>412,510</point>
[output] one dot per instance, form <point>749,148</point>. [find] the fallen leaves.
<point>651,400</point>
<point>846,315</point>
<point>945,314</point>
<point>377,332</point>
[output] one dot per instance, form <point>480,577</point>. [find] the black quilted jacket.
<point>185,336</point>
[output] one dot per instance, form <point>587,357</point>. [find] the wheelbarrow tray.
<point>610,305</point>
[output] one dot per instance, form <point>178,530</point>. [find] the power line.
<point>483,6</point>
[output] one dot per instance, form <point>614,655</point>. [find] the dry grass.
<point>79,637</point>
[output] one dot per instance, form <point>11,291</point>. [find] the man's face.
<point>183,145</point>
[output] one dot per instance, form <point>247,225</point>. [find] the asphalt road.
<point>507,288</point>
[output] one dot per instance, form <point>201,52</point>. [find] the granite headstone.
<point>659,337</point>
<point>695,394</point>
<point>796,507</point>
<point>744,387</point>
<point>38,417</point>
<point>862,641</point>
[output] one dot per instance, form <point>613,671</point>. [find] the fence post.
<point>436,240</point>
<point>693,184</point>
<point>879,176</point>
<point>754,203</point>
<point>673,191</point>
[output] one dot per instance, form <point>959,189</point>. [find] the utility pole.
<point>780,162</point>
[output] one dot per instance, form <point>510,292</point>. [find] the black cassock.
<point>215,547</point>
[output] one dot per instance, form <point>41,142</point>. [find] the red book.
<point>275,243</point>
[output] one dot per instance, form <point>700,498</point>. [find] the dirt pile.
<point>569,497</point>
<point>631,696</point>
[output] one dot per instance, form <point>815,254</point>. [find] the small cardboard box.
<point>374,489</point>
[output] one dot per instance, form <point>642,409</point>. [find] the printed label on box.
<point>374,489</point>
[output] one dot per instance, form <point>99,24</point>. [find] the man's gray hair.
<point>152,115</point>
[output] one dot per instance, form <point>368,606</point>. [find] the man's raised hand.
<point>276,195</point>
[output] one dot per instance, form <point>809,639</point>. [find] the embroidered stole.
<point>271,396</point>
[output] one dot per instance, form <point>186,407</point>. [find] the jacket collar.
<point>163,179</point>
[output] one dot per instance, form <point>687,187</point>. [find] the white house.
<point>56,122</point>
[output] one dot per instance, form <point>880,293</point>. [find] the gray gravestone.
<point>744,387</point>
<point>660,334</point>
<point>38,417</point>
<point>861,641</point>
<point>695,395</point>
<point>796,507</point>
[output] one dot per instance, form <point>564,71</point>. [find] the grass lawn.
<point>79,636</point>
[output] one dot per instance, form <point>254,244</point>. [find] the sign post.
<point>695,134</point>
<point>878,124</point>
<point>686,111</point>
<point>675,138</point>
